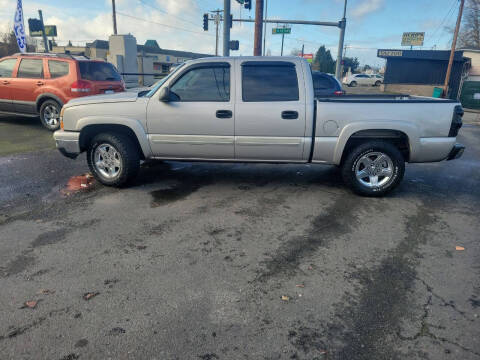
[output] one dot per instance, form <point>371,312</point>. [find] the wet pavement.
<point>236,261</point>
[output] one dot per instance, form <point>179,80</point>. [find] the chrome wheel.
<point>374,169</point>
<point>107,160</point>
<point>51,115</point>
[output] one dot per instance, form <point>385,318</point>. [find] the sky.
<point>177,24</point>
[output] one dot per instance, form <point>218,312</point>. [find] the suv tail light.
<point>81,86</point>
<point>338,92</point>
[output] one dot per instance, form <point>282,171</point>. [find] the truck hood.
<point>125,96</point>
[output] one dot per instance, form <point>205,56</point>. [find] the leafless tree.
<point>469,36</point>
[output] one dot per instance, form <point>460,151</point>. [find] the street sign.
<point>281,30</point>
<point>50,30</point>
<point>308,57</point>
<point>413,38</point>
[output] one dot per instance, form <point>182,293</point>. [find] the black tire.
<point>353,84</point>
<point>349,168</point>
<point>48,110</point>
<point>128,158</point>
<point>378,83</point>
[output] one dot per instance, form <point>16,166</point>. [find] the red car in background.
<point>39,84</point>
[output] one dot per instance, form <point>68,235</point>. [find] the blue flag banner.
<point>19,28</point>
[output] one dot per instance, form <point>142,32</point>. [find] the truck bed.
<point>383,98</point>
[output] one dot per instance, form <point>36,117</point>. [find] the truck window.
<point>58,68</point>
<point>6,67</point>
<point>31,68</point>
<point>210,83</point>
<point>269,82</point>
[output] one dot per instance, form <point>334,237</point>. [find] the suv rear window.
<point>58,68</point>
<point>98,71</point>
<point>322,82</point>
<point>269,81</point>
<point>31,68</point>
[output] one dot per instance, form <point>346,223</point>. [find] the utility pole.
<point>303,50</point>
<point>45,41</point>
<point>343,24</point>
<point>265,27</point>
<point>257,46</point>
<point>226,27</point>
<point>217,18</point>
<point>114,16</point>
<point>452,52</point>
<point>283,38</point>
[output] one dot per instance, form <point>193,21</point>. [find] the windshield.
<point>159,83</point>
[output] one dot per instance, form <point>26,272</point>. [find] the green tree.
<point>323,61</point>
<point>351,63</point>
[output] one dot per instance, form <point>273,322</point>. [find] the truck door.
<point>6,74</point>
<point>269,111</point>
<point>198,121</point>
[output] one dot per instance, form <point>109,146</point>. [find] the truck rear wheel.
<point>373,168</point>
<point>113,159</point>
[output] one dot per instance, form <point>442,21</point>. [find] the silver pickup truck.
<point>259,109</point>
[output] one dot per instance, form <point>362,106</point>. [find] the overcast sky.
<point>177,24</point>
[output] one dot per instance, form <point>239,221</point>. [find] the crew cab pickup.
<point>259,109</point>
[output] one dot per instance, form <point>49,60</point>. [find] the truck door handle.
<point>224,114</point>
<point>6,82</point>
<point>40,83</point>
<point>289,115</point>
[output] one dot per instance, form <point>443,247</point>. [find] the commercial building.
<point>418,72</point>
<point>149,58</point>
<point>470,94</point>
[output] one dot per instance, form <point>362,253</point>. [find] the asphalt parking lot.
<point>234,261</point>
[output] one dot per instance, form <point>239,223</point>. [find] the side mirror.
<point>164,94</point>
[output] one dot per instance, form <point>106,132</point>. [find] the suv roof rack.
<point>64,56</point>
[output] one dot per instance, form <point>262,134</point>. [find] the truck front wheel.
<point>373,168</point>
<point>113,159</point>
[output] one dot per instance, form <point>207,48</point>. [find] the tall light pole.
<point>226,27</point>
<point>45,41</point>
<point>257,45</point>
<point>114,16</point>
<point>265,27</point>
<point>452,52</point>
<point>343,24</point>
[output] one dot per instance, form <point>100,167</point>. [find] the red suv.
<point>39,84</point>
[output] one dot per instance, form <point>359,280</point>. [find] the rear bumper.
<point>456,152</point>
<point>68,143</point>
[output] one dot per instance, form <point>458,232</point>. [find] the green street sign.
<point>281,31</point>
<point>50,30</point>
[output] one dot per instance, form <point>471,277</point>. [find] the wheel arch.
<point>403,136</point>
<point>47,96</point>
<point>88,132</point>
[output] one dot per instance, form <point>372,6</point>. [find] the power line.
<point>160,24</point>
<point>167,13</point>
<point>448,15</point>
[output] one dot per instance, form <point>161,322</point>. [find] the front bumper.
<point>456,152</point>
<point>68,143</point>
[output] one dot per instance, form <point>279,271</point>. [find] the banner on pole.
<point>19,28</point>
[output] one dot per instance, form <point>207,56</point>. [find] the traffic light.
<point>248,4</point>
<point>205,22</point>
<point>234,44</point>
